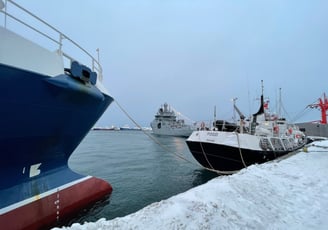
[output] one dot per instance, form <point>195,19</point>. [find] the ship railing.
<point>8,4</point>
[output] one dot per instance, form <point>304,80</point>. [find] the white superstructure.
<point>167,123</point>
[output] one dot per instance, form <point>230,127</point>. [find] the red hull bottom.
<point>50,210</point>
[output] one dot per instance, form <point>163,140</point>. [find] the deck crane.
<point>323,106</point>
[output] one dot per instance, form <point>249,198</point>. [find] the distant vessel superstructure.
<point>166,123</point>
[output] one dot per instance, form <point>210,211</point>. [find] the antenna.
<point>234,110</point>
<point>279,112</point>
<point>214,113</point>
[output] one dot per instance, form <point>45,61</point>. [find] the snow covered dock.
<point>289,194</point>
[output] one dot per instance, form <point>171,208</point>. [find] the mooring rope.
<point>212,168</point>
<point>177,154</point>
<point>305,149</point>
<point>319,146</point>
<point>241,155</point>
<point>152,137</point>
<point>201,146</point>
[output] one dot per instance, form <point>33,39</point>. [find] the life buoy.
<point>290,131</point>
<point>276,129</point>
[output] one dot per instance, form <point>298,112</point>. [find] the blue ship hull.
<point>42,120</point>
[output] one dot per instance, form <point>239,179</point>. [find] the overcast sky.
<point>197,54</point>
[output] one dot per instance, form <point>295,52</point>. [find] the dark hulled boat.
<point>227,149</point>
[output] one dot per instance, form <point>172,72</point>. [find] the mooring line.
<point>152,137</point>
<point>241,155</point>
<point>220,172</point>
<point>319,146</point>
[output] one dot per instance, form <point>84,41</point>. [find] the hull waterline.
<point>54,207</point>
<point>227,158</point>
<point>49,102</point>
<point>43,121</point>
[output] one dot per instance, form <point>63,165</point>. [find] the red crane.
<point>323,106</point>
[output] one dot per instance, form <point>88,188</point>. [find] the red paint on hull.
<point>50,210</point>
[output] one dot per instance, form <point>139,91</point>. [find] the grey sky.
<point>195,54</point>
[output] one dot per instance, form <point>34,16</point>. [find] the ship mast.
<point>323,106</point>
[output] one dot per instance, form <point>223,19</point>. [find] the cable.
<point>212,168</point>
<point>152,137</point>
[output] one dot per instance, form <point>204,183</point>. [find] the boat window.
<point>265,144</point>
<point>287,144</point>
<point>277,144</point>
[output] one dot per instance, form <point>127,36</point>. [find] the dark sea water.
<point>140,170</point>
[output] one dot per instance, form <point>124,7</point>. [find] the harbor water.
<point>142,171</point>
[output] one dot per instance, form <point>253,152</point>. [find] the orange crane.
<point>323,106</point>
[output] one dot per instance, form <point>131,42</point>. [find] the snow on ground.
<point>290,194</point>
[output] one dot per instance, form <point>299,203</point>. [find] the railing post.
<point>4,4</point>
<point>98,55</point>
<point>60,42</point>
